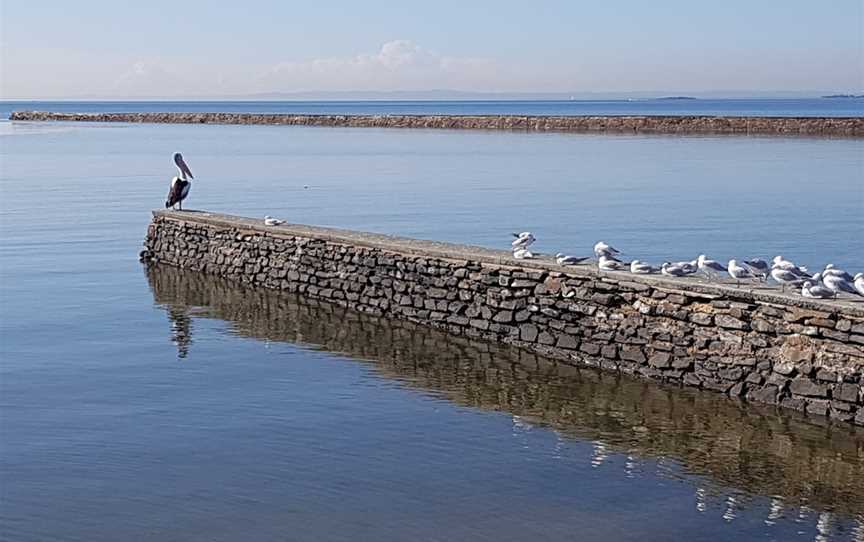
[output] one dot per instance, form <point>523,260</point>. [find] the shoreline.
<point>717,125</point>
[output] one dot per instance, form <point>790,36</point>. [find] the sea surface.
<point>146,403</point>
<point>799,107</point>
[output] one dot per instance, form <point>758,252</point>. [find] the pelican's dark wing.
<point>175,193</point>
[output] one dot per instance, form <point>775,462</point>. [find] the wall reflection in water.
<point>742,455</point>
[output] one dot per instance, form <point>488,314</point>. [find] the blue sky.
<point>196,48</point>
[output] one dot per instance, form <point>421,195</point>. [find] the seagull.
<point>561,259</point>
<point>608,263</point>
<point>784,277</point>
<point>523,240</point>
<point>831,270</point>
<point>859,283</point>
<point>522,254</point>
<point>179,185</point>
<point>838,284</point>
<point>816,290</point>
<point>782,263</point>
<point>739,272</point>
<point>758,267</point>
<point>270,221</point>
<point>678,269</point>
<point>602,249</point>
<point>642,268</point>
<point>711,268</point>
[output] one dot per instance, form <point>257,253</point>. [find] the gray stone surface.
<point>641,325</point>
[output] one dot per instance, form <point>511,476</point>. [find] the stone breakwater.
<point>787,126</point>
<point>751,343</point>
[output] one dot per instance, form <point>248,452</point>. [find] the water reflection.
<point>775,464</point>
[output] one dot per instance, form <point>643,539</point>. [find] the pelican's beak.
<point>183,167</point>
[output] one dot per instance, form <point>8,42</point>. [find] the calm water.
<point>802,107</point>
<point>150,404</point>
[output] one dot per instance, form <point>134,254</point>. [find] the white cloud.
<point>398,65</point>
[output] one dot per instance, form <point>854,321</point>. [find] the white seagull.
<point>608,263</point>
<point>522,254</point>
<point>816,290</point>
<point>602,249</point>
<point>179,185</point>
<point>710,268</point>
<point>782,263</point>
<point>859,283</point>
<point>784,277</point>
<point>678,269</point>
<point>831,270</point>
<point>758,267</point>
<point>673,269</point>
<point>562,259</point>
<point>270,221</point>
<point>642,268</point>
<point>523,240</point>
<point>739,272</point>
<point>838,284</point>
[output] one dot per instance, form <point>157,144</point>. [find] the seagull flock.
<point>826,284</point>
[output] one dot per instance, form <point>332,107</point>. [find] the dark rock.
<point>808,388</point>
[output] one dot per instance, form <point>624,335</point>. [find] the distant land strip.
<point>781,126</point>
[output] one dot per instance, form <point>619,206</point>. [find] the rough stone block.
<point>528,332</point>
<point>808,388</point>
<point>660,360</point>
<point>567,342</point>
<point>847,392</point>
<point>729,322</point>
<point>634,354</point>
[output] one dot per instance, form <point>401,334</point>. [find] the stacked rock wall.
<point>808,126</point>
<point>765,346</point>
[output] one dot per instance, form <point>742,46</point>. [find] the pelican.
<point>859,283</point>
<point>816,290</point>
<point>270,221</point>
<point>562,259</point>
<point>180,185</point>
<point>608,263</point>
<point>523,254</point>
<point>739,272</point>
<point>642,268</point>
<point>711,268</point>
<point>602,249</point>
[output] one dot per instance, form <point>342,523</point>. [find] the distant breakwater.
<point>748,342</point>
<point>781,126</point>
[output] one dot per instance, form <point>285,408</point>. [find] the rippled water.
<point>153,404</point>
